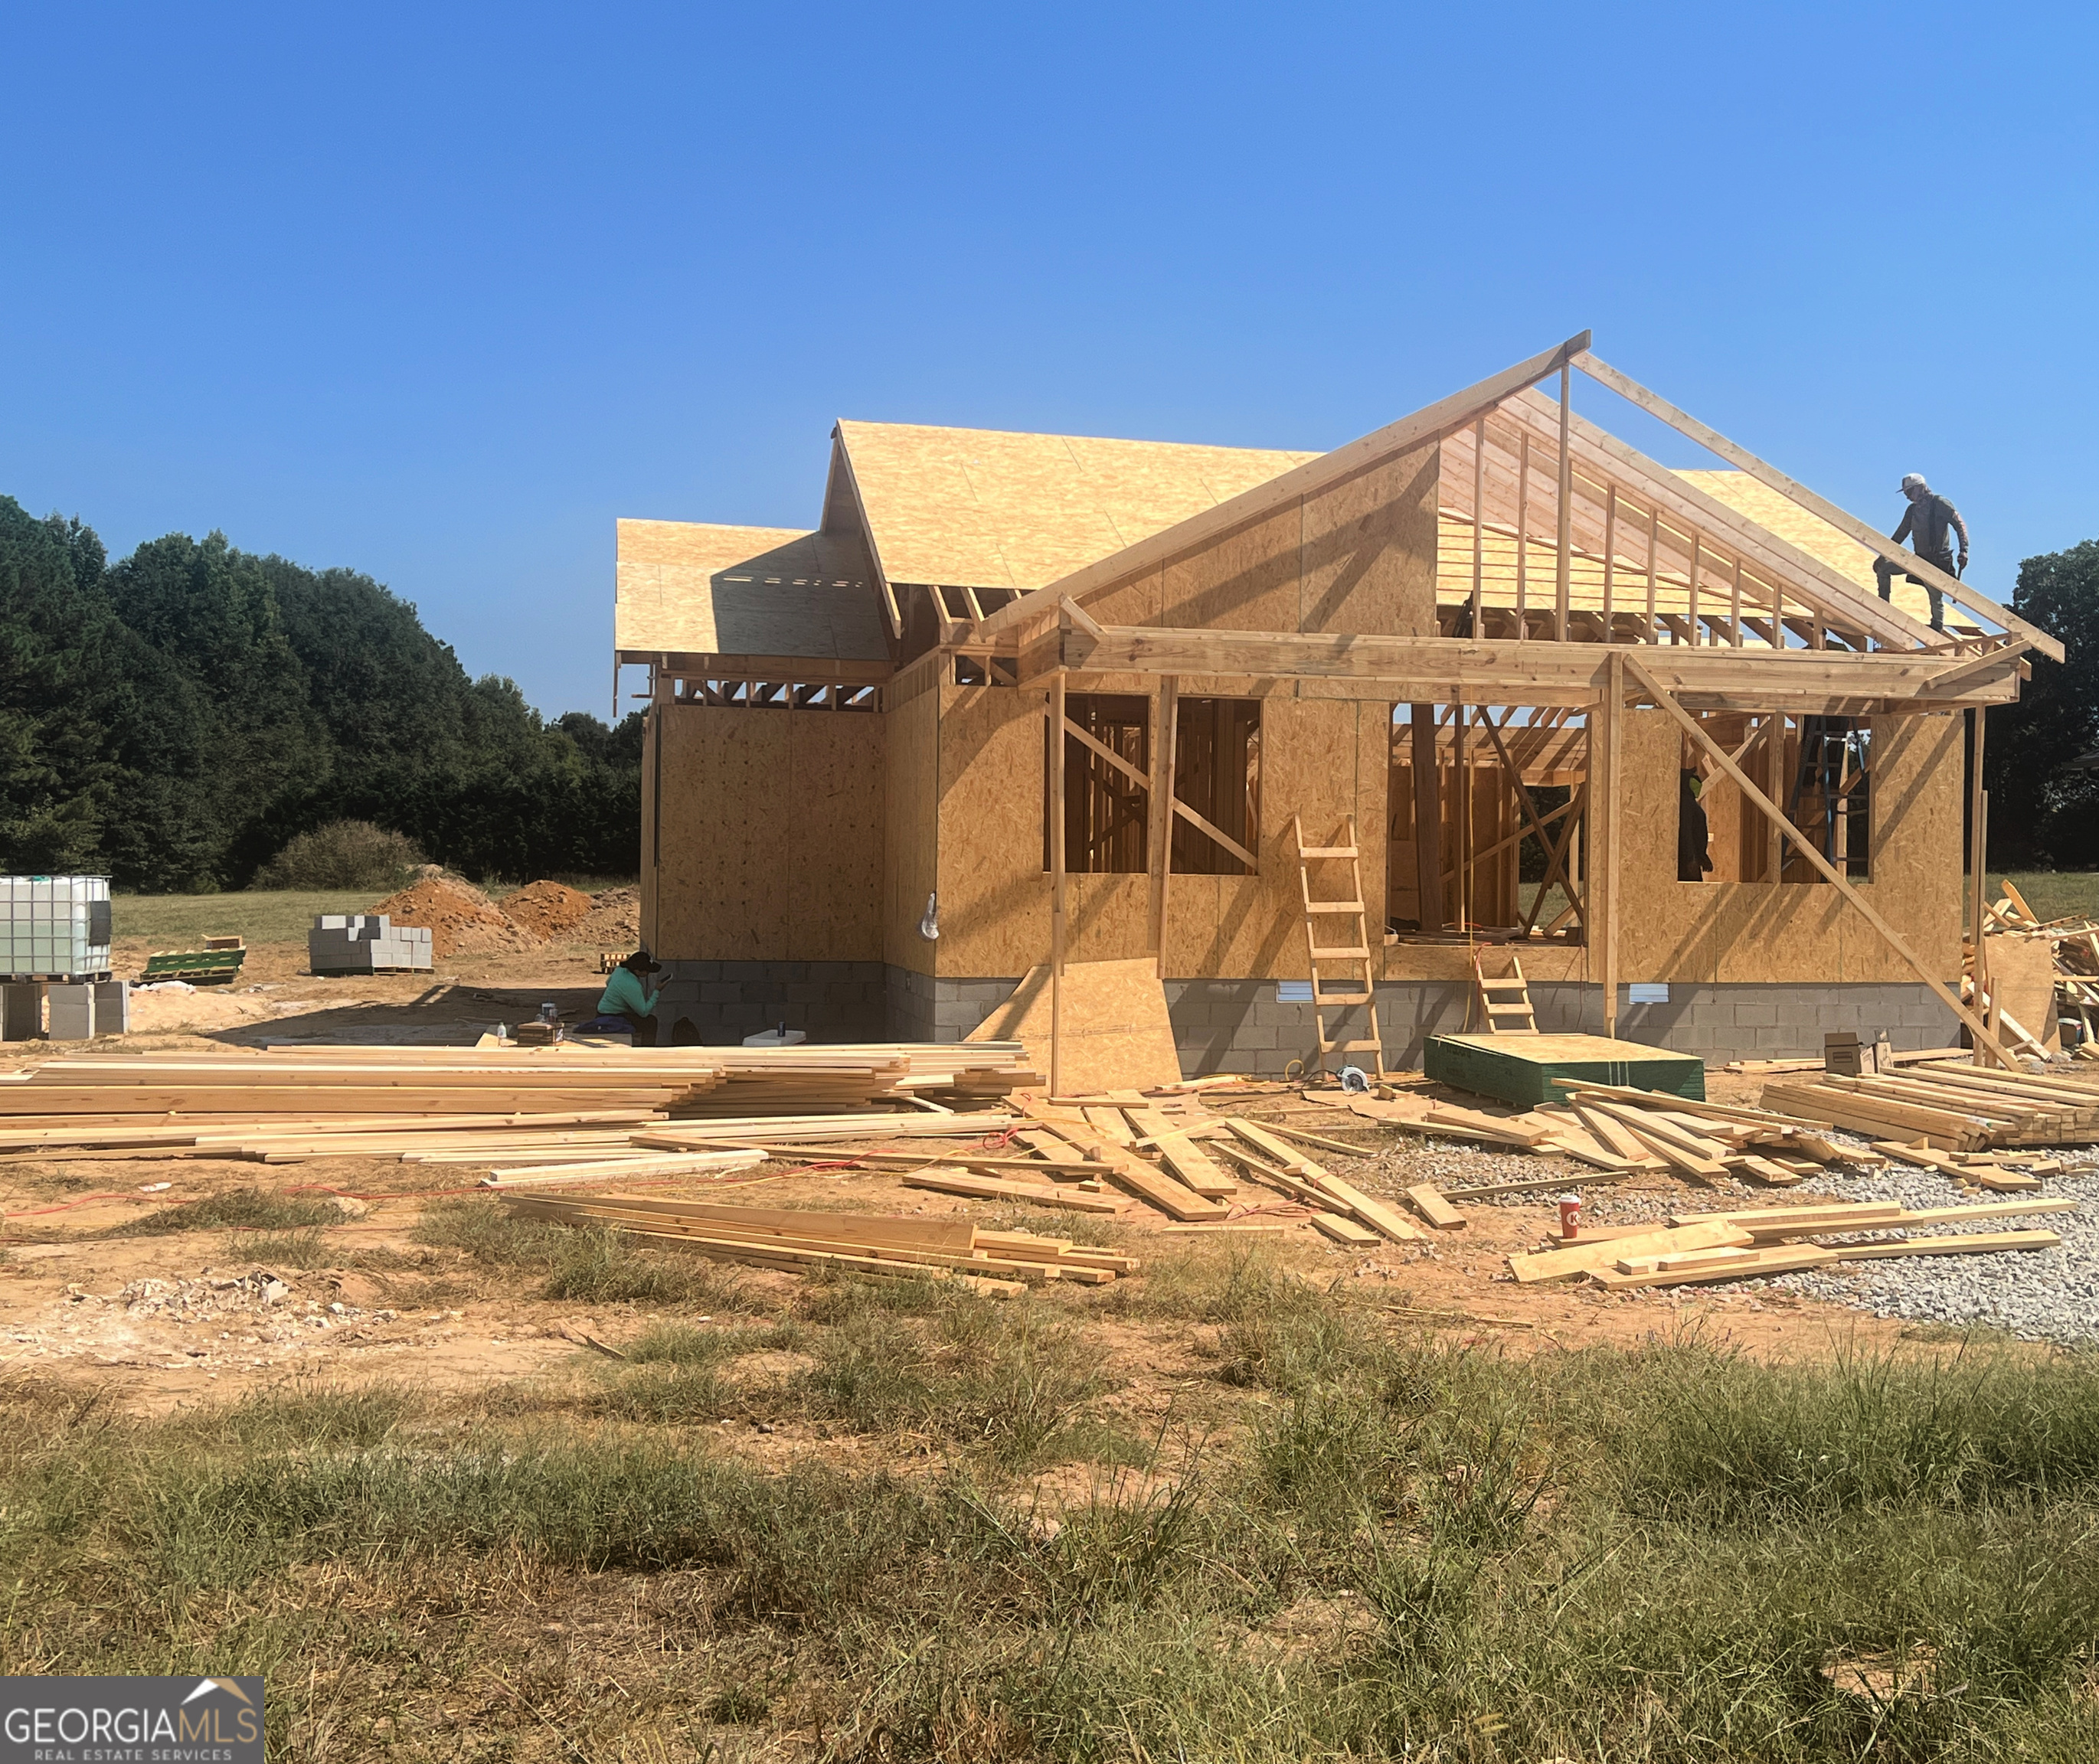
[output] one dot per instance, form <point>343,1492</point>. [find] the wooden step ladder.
<point>1326,944</point>
<point>1505,999</point>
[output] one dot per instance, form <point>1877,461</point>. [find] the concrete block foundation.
<point>1240,1026</point>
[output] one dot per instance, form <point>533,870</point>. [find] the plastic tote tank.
<point>54,928</point>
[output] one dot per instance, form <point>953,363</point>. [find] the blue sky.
<point>438,293</point>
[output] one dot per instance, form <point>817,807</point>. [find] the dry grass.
<point>1397,1549</point>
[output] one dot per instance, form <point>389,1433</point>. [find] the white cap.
<point>1914,479</point>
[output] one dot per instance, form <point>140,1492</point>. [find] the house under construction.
<point>1324,735</point>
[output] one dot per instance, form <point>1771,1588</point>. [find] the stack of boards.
<point>1000,1263</point>
<point>1950,1107</point>
<point>1622,1131</point>
<point>316,1101</point>
<point>1698,1247</point>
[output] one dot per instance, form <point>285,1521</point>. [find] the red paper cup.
<point>1570,1216</point>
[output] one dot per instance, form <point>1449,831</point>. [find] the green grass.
<point>181,921</point>
<point>2052,894</point>
<point>1398,1549</point>
<point>269,916</point>
<point>238,1209</point>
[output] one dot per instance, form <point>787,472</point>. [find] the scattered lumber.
<point>1344,1230</point>
<point>1385,1221</point>
<point>1070,1199</point>
<point>868,1243</point>
<point>620,1169</point>
<point>1427,1200</point>
<point>1700,1139</point>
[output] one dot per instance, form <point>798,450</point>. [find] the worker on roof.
<point>628,996</point>
<point>1924,530</point>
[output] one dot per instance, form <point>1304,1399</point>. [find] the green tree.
<point>2043,813</point>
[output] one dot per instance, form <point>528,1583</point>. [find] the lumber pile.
<point>463,1103</point>
<point>1699,1139</point>
<point>1949,1107</point>
<point>867,1243</point>
<point>1695,1248</point>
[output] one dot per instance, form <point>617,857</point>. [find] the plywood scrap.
<point>1428,1200</point>
<point>1114,1031</point>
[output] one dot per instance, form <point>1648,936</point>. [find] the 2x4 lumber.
<point>1344,1230</point>
<point>1506,671</point>
<point>946,1181</point>
<point>1428,424</point>
<point>1875,1117</point>
<point>1963,1243</point>
<point>1616,1137</point>
<point>1739,457</point>
<point>1813,853</point>
<point>1188,1162</point>
<point>1164,745</point>
<point>620,1169</point>
<point>1428,1200</point>
<point>1382,1219</point>
<point>1699,514</point>
<point>1076,1168</point>
<point>1586,1257</point>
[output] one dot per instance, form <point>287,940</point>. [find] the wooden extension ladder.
<point>1359,988</point>
<point>1505,998</point>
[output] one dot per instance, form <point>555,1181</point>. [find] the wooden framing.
<point>1406,568</point>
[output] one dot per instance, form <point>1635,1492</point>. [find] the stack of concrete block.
<point>78,1013</point>
<point>54,928</point>
<point>366,943</point>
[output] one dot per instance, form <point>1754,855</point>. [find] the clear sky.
<point>438,293</point>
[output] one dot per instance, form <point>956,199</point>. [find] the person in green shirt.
<point>627,995</point>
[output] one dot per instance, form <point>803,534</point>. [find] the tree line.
<point>173,720</point>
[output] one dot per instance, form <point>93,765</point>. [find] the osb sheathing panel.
<point>1359,556</point>
<point>910,842</point>
<point>1325,759</point>
<point>1369,552</point>
<point>772,835</point>
<point>1749,933</point>
<point>1113,1031</point>
<point>2022,982</point>
<point>994,896</point>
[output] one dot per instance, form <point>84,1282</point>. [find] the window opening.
<point>1106,812</point>
<point>1216,772</point>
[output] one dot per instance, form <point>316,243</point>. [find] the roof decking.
<point>689,588</point>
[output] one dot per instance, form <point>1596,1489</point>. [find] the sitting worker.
<point>1693,838</point>
<point>629,997</point>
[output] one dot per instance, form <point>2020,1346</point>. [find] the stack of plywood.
<point>1950,1107</point>
<point>859,1242</point>
<point>1699,1247</point>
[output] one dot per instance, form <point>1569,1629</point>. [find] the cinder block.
<point>1755,1013</point>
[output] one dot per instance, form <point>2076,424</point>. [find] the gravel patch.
<point>2036,1295</point>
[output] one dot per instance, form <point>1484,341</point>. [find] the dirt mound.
<point>462,920</point>
<point>547,909</point>
<point>613,921</point>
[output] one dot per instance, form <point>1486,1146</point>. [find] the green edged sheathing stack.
<point>1520,1068</point>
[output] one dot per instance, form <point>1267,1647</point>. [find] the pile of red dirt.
<point>548,911</point>
<point>613,921</point>
<point>462,920</point>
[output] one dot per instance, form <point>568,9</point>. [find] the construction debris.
<point>1697,1247</point>
<point>1950,1107</point>
<point>947,1248</point>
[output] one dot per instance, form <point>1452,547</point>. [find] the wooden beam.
<point>1874,540</point>
<point>1217,834</point>
<point>1978,870</point>
<point>1100,749</point>
<point>1809,850</point>
<point>1058,722</point>
<point>1562,578</point>
<point>1168,711</point>
<point>1603,848</point>
<point>1502,671</point>
<point>1428,819</point>
<point>1681,502</point>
